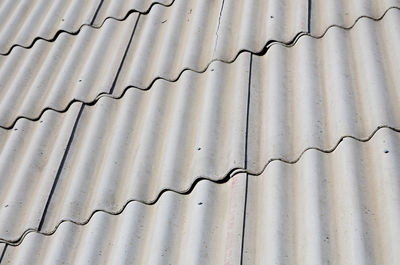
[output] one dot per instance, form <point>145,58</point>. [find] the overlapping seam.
<point>231,173</point>
<point>262,52</point>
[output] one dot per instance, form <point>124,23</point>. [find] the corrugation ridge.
<point>262,52</point>
<point>54,38</point>
<point>231,173</point>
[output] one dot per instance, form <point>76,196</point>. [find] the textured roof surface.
<point>335,208</point>
<point>26,21</point>
<point>199,132</point>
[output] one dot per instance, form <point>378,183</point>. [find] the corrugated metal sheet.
<point>325,13</point>
<point>189,34</point>
<point>23,22</point>
<point>150,141</point>
<point>30,155</point>
<point>337,208</point>
<point>312,94</point>
<point>51,75</point>
<point>204,227</point>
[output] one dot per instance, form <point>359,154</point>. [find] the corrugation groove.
<point>46,22</point>
<point>263,51</point>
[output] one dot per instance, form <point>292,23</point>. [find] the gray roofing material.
<point>325,13</point>
<point>24,22</point>
<point>119,9</point>
<point>312,94</point>
<point>336,208</point>
<point>307,113</point>
<point>190,34</point>
<point>51,74</point>
<point>185,35</point>
<point>150,141</point>
<point>204,227</point>
<point>30,155</point>
<point>132,148</point>
<point>180,131</point>
<point>340,207</point>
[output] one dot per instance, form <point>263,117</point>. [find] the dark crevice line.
<point>262,52</point>
<point>246,157</point>
<point>76,32</point>
<point>3,252</point>
<point>97,12</point>
<point>309,16</point>
<point>60,168</point>
<point>231,173</point>
<point>219,23</point>
<point>124,57</point>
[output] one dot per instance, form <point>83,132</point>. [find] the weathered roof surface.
<point>326,13</point>
<point>185,35</point>
<point>204,227</point>
<point>24,22</point>
<point>185,97</point>
<point>30,156</point>
<point>312,94</point>
<point>336,208</point>
<point>150,141</point>
<point>52,74</point>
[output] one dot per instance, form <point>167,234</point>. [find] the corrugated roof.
<point>340,207</point>
<point>185,130</point>
<point>98,182</point>
<point>337,208</point>
<point>190,34</point>
<point>186,35</point>
<point>326,13</point>
<point>30,156</point>
<point>312,94</point>
<point>204,227</point>
<point>24,22</point>
<point>150,141</point>
<point>51,75</point>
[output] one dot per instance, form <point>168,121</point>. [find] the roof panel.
<point>336,208</point>
<point>150,141</point>
<point>25,21</point>
<point>312,94</point>
<point>325,13</point>
<point>51,75</point>
<point>204,227</point>
<point>189,34</point>
<point>30,155</point>
<point>120,8</point>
